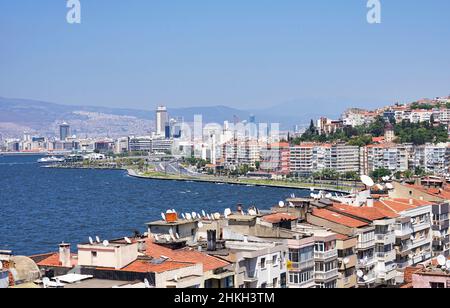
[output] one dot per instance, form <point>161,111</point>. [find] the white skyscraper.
<point>162,120</point>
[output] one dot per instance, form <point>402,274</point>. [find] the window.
<point>437,285</point>
<point>275,283</point>
<point>275,260</point>
<point>263,263</point>
<point>94,254</point>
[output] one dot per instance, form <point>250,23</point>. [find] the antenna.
<point>281,204</point>
<point>367,180</point>
<point>105,243</point>
<point>91,241</point>
<point>172,236</point>
<point>97,239</point>
<point>127,240</point>
<point>441,260</point>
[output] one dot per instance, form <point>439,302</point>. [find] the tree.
<point>381,173</point>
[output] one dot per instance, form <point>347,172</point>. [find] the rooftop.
<point>339,218</point>
<point>279,217</point>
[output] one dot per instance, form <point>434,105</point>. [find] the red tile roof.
<point>278,217</point>
<point>185,255</point>
<point>142,266</point>
<point>392,207</point>
<point>53,261</point>
<point>367,213</point>
<point>339,218</point>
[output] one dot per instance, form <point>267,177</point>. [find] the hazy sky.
<point>239,53</point>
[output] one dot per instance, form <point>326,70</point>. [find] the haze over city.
<point>246,54</point>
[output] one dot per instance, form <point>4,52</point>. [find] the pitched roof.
<point>143,266</point>
<point>339,218</point>
<point>185,255</point>
<point>278,217</point>
<point>367,213</point>
<point>53,260</point>
<point>392,207</point>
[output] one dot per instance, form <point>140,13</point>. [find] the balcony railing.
<point>325,255</point>
<point>385,256</point>
<point>366,244</point>
<point>421,225</point>
<point>298,266</point>
<point>327,275</point>
<point>366,262</point>
<point>385,238</point>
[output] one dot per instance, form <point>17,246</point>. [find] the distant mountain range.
<point>18,115</point>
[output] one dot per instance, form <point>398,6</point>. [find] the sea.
<point>42,207</point>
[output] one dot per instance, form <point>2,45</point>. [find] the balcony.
<point>326,255</point>
<point>420,242</point>
<point>300,266</point>
<point>366,262</point>
<point>385,238</point>
<point>352,261</point>
<point>370,278</point>
<point>365,245</point>
<point>251,276</point>
<point>419,226</point>
<point>326,276</point>
<point>403,232</point>
<point>347,282</point>
<point>422,257</point>
<point>385,256</point>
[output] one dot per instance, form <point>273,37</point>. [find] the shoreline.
<point>134,174</point>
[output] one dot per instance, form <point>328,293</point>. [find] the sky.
<point>240,53</point>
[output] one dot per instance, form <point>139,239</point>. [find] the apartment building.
<point>437,192</point>
<point>387,156</point>
<point>434,159</point>
<point>344,158</point>
<point>302,160</point>
<point>301,263</point>
<point>325,259</point>
<point>413,232</point>
<point>347,261</point>
<point>275,159</point>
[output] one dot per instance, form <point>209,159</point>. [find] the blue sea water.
<point>42,207</point>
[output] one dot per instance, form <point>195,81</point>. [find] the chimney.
<point>142,246</point>
<point>212,240</point>
<point>369,202</point>
<point>64,255</point>
<point>411,202</point>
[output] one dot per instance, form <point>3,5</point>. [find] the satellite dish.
<point>389,186</point>
<point>175,278</point>
<point>188,216</point>
<point>173,211</point>
<point>194,215</point>
<point>252,212</point>
<point>156,237</point>
<point>386,178</point>
<point>312,195</point>
<point>200,224</point>
<point>360,274</point>
<point>328,196</point>
<point>147,284</point>
<point>291,204</point>
<point>346,261</point>
<point>97,239</point>
<point>217,216</point>
<point>163,216</point>
<point>127,240</point>
<point>313,189</point>
<point>367,181</point>
<point>1,265</point>
<point>379,187</point>
<point>105,243</point>
<point>227,213</point>
<point>183,216</point>
<point>366,278</point>
<point>45,282</point>
<point>169,211</point>
<point>281,204</point>
<point>177,236</point>
<point>447,264</point>
<point>91,241</point>
<point>441,260</point>
<point>203,213</point>
<point>208,216</point>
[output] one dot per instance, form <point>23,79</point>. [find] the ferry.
<point>49,160</point>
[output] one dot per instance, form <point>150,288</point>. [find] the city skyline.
<point>239,55</point>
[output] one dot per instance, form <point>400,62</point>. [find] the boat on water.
<point>50,160</point>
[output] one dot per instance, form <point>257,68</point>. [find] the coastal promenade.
<point>240,181</point>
